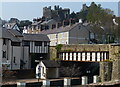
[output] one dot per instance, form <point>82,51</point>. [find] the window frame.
<point>38,43</point>
<point>4,54</point>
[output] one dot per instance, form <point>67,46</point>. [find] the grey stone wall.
<point>105,71</point>
<point>115,58</point>
<point>53,52</point>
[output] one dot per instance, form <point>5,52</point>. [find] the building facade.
<point>11,26</point>
<point>19,50</point>
<point>47,69</point>
<point>71,34</point>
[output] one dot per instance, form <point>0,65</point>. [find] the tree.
<point>100,17</point>
<point>73,15</point>
<point>117,29</point>
<point>14,20</point>
<point>82,15</point>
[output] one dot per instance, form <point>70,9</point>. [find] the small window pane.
<point>39,43</point>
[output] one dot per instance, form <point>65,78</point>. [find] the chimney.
<point>72,21</point>
<point>80,20</point>
<point>65,23</point>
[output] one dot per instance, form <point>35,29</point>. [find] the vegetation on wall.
<point>58,47</point>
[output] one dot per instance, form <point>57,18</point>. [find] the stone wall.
<point>109,70</point>
<point>53,52</point>
<point>115,58</point>
<point>86,47</point>
<point>105,71</point>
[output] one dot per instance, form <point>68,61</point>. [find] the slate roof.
<point>60,29</point>
<point>50,64</point>
<point>36,23</point>
<point>35,37</point>
<point>15,32</point>
<point>8,35</point>
<point>94,30</point>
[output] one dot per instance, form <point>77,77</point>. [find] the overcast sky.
<point>30,10</point>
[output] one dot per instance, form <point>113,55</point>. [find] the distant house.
<point>71,34</point>
<point>20,51</point>
<point>34,28</point>
<point>38,26</point>
<point>48,69</point>
<point>12,26</point>
<point>50,24</point>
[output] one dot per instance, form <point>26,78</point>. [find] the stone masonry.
<point>109,69</point>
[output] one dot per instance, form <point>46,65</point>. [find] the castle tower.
<point>47,12</point>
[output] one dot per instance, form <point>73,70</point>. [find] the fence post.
<point>67,82</point>
<point>21,84</point>
<point>46,83</point>
<point>84,80</point>
<point>95,78</point>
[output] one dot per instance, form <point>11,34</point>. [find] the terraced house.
<point>77,33</point>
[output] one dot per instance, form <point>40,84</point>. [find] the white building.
<point>17,49</point>
<point>47,69</point>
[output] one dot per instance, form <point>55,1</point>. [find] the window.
<point>26,43</point>
<point>4,41</point>
<point>38,43</point>
<point>56,35</point>
<point>53,26</point>
<point>92,36</point>
<point>56,42</point>
<point>15,43</point>
<point>66,42</point>
<point>4,54</point>
<point>14,59</point>
<point>43,70</point>
<point>45,43</point>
